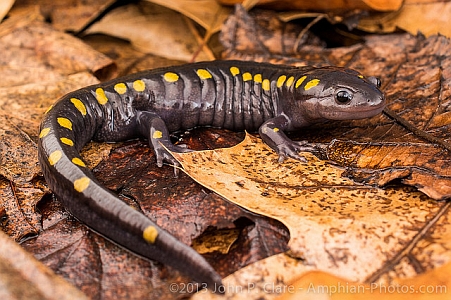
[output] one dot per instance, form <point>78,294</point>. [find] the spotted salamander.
<point>233,95</point>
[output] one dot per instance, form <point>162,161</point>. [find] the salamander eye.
<point>343,97</point>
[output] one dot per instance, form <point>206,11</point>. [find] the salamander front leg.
<point>154,129</point>
<point>272,134</point>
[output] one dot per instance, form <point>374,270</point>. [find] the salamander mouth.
<point>354,114</point>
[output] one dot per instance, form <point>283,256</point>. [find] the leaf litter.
<point>400,60</point>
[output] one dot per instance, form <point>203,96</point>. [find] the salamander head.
<point>341,94</point>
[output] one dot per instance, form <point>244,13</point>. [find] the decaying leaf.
<point>220,240</point>
<point>23,277</point>
<point>282,277</point>
<point>5,6</point>
<point>266,279</point>
<point>14,222</point>
<point>427,17</point>
<point>22,220</point>
<point>433,285</point>
<point>152,29</point>
<point>68,15</point>
<point>30,46</point>
<point>331,5</point>
<point>18,153</point>
<point>420,165</point>
<point>331,218</point>
<point>207,13</point>
<point>249,33</point>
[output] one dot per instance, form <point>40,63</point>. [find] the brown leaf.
<point>33,48</point>
<point>23,277</point>
<point>427,17</point>
<point>207,13</point>
<point>144,24</point>
<point>431,285</point>
<point>331,5</point>
<point>20,200</point>
<point>15,222</point>
<point>421,165</point>
<point>249,33</point>
<point>330,218</point>
<point>5,6</point>
<point>68,15</point>
<point>18,153</point>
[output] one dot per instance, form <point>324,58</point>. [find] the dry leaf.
<point>331,5</point>
<point>5,6</point>
<point>14,222</point>
<point>18,153</point>
<point>152,30</point>
<point>330,218</point>
<point>265,279</point>
<point>67,15</point>
<point>207,13</point>
<point>39,53</point>
<point>432,285</point>
<point>23,277</point>
<point>249,33</point>
<point>427,17</point>
<point>282,277</point>
<point>420,165</point>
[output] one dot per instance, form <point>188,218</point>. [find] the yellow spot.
<point>247,76</point>
<point>289,81</point>
<point>54,157</point>
<point>258,78</point>
<point>266,85</point>
<point>281,80</point>
<point>44,132</point>
<point>78,162</point>
<point>81,184</point>
<point>67,141</point>
<point>79,105</point>
<point>48,109</point>
<point>101,97</point>
<point>150,234</point>
<point>275,129</point>
<point>120,88</point>
<point>171,77</point>
<point>311,83</point>
<point>300,81</point>
<point>139,85</point>
<point>157,134</point>
<point>65,122</point>
<point>360,76</point>
<point>235,71</point>
<point>203,74</point>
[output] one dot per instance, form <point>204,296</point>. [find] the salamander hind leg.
<point>154,129</point>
